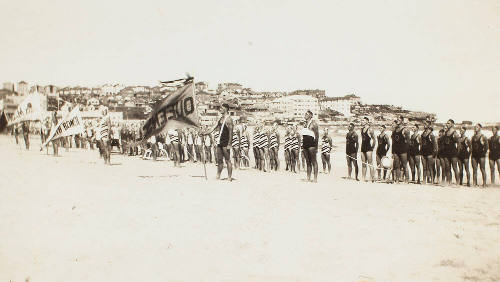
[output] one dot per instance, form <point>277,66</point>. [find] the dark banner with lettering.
<point>177,110</point>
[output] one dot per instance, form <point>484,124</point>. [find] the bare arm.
<point>229,124</point>
<point>373,140</point>
<point>316,133</point>
<point>355,137</point>
<point>388,142</point>
<point>434,144</point>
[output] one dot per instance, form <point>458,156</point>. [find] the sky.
<point>429,55</point>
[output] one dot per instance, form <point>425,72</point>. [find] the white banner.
<point>29,110</point>
<point>71,124</point>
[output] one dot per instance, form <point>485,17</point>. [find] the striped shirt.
<point>256,140</point>
<point>216,136</point>
<point>295,143</point>
<point>244,142</point>
<point>102,132</point>
<point>325,146</point>
<point>235,142</point>
<point>174,136</point>
<point>288,142</point>
<point>273,140</point>
<point>264,142</point>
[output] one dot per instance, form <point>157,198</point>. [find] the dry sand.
<point>71,218</point>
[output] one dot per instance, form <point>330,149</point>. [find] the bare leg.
<point>417,165</point>
<point>363,165</point>
<point>482,167</point>
<point>454,165</point>
<point>369,160</point>
<point>312,155</point>
<point>475,163</point>
<point>492,171</point>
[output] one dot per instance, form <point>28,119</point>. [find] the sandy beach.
<point>70,218</point>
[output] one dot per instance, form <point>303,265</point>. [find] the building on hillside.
<point>317,93</point>
<point>231,87</point>
<point>50,90</point>
<point>111,89</point>
<point>294,107</point>
<point>201,86</point>
<point>340,104</point>
<point>8,86</point>
<point>22,88</point>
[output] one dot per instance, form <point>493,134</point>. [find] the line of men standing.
<point>450,152</point>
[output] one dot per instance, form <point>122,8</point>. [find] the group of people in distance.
<point>436,158</point>
<point>442,158</point>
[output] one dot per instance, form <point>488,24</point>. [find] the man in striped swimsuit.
<point>274,141</point>
<point>104,128</point>
<point>288,141</point>
<point>256,146</point>
<point>198,143</point>
<point>326,148</point>
<point>235,144</point>
<point>244,146</point>
<point>174,139</point>
<point>264,149</point>
<point>215,137</point>
<point>294,149</point>
<point>207,142</point>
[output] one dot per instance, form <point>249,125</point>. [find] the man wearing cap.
<point>223,149</point>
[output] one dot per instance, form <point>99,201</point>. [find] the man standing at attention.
<point>368,142</point>
<point>326,148</point>
<point>310,138</point>
<point>351,150</point>
<point>223,149</point>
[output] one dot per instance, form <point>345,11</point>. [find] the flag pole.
<point>198,114</point>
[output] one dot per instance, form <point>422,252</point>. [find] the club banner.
<point>71,124</point>
<point>178,110</point>
<point>29,110</point>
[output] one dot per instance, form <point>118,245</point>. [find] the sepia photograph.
<point>246,140</point>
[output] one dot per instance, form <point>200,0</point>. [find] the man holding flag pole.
<point>70,124</point>
<point>176,111</point>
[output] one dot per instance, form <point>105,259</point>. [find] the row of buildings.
<point>136,102</point>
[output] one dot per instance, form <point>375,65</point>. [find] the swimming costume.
<point>366,141</point>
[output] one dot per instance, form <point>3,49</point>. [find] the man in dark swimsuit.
<point>414,154</point>
<point>382,149</point>
<point>464,146</point>
<point>310,138</point>
<point>494,155</point>
<point>428,150</point>
<point>450,151</point>
<point>225,127</point>
<point>351,150</point>
<point>478,152</point>
<point>400,140</point>
<point>367,144</point>
<point>440,172</point>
